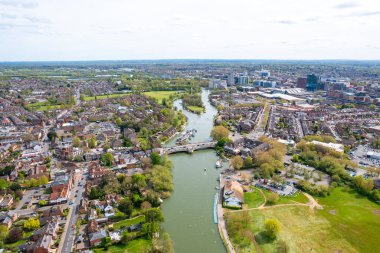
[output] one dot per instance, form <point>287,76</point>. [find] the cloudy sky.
<point>189,29</point>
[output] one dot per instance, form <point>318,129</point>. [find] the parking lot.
<point>359,155</point>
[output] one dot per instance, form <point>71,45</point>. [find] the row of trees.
<point>336,165</point>
<point>271,160</point>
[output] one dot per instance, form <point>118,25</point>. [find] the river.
<point>189,211</point>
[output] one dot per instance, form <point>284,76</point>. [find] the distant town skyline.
<point>52,30</point>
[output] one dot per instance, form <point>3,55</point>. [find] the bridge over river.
<point>190,148</point>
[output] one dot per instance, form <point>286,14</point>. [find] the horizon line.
<point>187,59</point>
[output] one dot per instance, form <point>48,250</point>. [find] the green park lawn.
<point>196,109</point>
<point>45,106</point>
<point>253,199</point>
<point>160,95</point>
<point>128,222</point>
<point>296,198</point>
<point>115,95</point>
<point>347,223</point>
<point>134,246</point>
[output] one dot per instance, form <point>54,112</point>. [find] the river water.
<point>189,211</point>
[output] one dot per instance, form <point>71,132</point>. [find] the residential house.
<point>233,194</point>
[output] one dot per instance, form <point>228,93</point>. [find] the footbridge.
<point>189,148</point>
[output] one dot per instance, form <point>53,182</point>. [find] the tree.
<point>145,205</point>
<point>52,136</point>
<point>364,185</point>
<point>92,142</point>
<point>237,162</point>
<point>150,228</point>
<point>32,224</point>
<point>3,234</point>
<point>14,235</point>
<point>139,181</point>
<point>42,202</point>
<point>119,121</point>
<point>107,159</point>
<point>15,186</point>
<point>272,228</point>
<point>154,215</point>
<point>3,184</point>
<point>219,132</point>
<point>96,193</point>
<point>156,158</point>
<point>76,142</point>
<point>126,206</point>
<point>248,163</point>
<point>43,180</point>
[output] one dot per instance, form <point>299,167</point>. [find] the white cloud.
<point>148,29</point>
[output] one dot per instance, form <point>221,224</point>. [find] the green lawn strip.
<point>105,96</point>
<point>129,222</point>
<point>294,199</point>
<point>135,246</point>
<point>253,199</point>
<point>195,108</point>
<point>45,106</point>
<point>160,95</point>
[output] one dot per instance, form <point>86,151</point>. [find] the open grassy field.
<point>115,95</point>
<point>347,223</point>
<point>129,222</point>
<point>159,95</point>
<point>196,109</point>
<point>135,246</point>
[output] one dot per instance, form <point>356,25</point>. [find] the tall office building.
<point>313,83</point>
<point>264,73</point>
<point>242,80</point>
<point>231,79</point>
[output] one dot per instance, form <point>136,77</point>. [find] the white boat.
<point>218,164</point>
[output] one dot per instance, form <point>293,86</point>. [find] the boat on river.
<point>218,164</point>
<point>216,208</point>
<point>186,136</point>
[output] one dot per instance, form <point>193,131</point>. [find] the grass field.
<point>159,95</point>
<point>347,223</point>
<point>45,106</point>
<point>196,109</point>
<point>135,246</point>
<point>116,95</point>
<point>253,199</point>
<point>127,223</point>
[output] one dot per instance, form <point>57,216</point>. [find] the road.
<point>69,234</point>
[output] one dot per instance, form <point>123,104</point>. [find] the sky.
<point>64,30</point>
